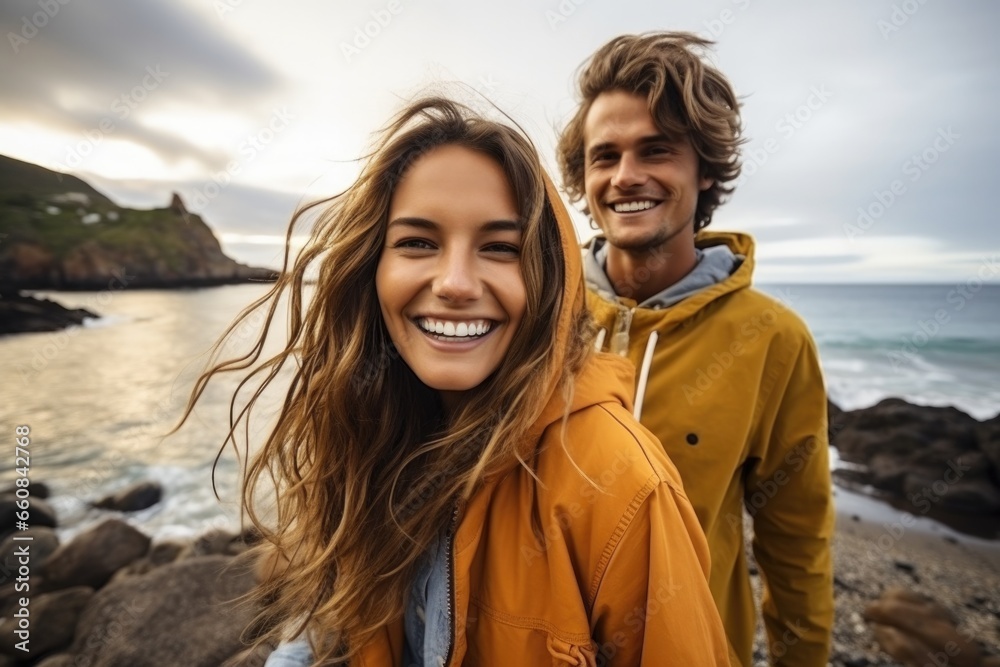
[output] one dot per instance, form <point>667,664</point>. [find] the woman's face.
<point>449,278</point>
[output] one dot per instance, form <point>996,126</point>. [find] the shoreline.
<point>960,574</point>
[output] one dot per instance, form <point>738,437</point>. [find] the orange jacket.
<point>620,575</point>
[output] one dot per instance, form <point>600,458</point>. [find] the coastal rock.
<point>25,314</point>
<point>35,490</point>
<point>54,617</point>
<point>159,554</point>
<point>40,513</point>
<point>42,544</point>
<point>219,542</point>
<point>183,613</point>
<point>989,440</point>
<point>914,630</point>
<point>94,556</point>
<point>60,233</point>
<point>933,457</point>
<point>137,497</point>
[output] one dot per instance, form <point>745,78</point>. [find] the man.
<point>728,377</point>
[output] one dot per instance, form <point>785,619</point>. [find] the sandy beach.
<point>871,556</point>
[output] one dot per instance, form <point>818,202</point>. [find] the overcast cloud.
<point>842,102</point>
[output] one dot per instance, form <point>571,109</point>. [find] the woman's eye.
<point>414,244</point>
<point>503,249</point>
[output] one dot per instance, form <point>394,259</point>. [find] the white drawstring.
<point>599,340</point>
<point>647,361</point>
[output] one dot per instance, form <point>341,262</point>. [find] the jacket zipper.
<point>449,561</point>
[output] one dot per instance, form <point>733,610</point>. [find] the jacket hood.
<point>602,378</point>
<point>726,265</point>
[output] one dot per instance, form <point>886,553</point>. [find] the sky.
<point>870,123</point>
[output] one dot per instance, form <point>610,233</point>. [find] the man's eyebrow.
<point>643,141</point>
<point>430,225</point>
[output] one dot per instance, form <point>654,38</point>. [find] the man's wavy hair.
<point>686,95</point>
<point>365,467</point>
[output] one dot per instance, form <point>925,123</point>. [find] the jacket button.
<point>692,439</point>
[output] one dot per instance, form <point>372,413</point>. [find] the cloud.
<point>115,62</point>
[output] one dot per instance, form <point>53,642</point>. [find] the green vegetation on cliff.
<point>58,232</point>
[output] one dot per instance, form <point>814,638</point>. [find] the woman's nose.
<point>457,278</point>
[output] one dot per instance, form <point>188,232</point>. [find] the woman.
<point>459,481</point>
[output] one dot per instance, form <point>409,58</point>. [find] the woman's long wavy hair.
<point>366,465</point>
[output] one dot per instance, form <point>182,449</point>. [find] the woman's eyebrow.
<point>430,225</point>
<point>502,226</point>
<point>420,223</point>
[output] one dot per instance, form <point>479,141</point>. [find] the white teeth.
<point>454,329</point>
<point>628,207</point>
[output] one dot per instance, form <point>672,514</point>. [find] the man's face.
<point>641,186</point>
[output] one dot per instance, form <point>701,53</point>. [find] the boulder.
<point>35,490</point>
<point>190,613</point>
<point>159,554</point>
<point>217,542</point>
<point>54,617</point>
<point>27,314</point>
<point>42,544</point>
<point>95,555</point>
<point>913,629</point>
<point>40,513</point>
<point>137,497</point>
<point>935,457</point>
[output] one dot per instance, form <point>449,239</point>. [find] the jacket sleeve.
<point>789,496</point>
<point>653,605</point>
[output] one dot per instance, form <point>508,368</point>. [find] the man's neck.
<point>641,274</point>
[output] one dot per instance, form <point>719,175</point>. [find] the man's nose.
<point>457,278</point>
<point>629,172</point>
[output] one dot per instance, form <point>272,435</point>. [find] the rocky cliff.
<point>58,232</point>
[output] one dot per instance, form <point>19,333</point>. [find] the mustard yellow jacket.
<point>735,394</point>
<point>620,576</point>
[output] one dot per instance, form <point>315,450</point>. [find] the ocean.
<point>99,398</point>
